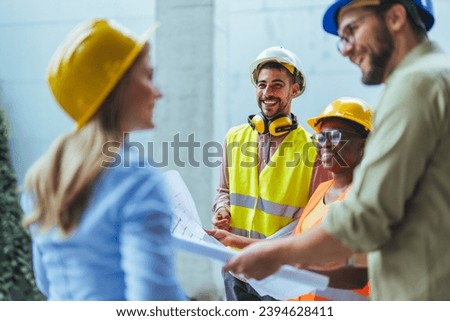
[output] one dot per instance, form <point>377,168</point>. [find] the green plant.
<point>16,272</point>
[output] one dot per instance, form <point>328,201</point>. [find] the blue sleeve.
<point>39,271</point>
<point>146,242</point>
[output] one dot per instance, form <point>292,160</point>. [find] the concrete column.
<point>186,119</point>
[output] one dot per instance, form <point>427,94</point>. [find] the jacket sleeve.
<point>38,268</point>
<point>39,271</point>
<point>223,189</point>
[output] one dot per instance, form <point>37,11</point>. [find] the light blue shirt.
<point>121,249</point>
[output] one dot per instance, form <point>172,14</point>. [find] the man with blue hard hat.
<point>399,205</point>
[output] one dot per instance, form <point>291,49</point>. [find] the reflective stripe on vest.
<point>262,203</point>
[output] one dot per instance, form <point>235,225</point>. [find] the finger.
<point>219,224</point>
<point>227,267</point>
<point>232,266</point>
<point>223,215</point>
<point>222,224</point>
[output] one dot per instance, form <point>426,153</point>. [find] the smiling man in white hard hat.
<point>398,208</point>
<point>268,171</point>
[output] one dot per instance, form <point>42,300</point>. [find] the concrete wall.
<point>201,52</point>
<point>186,75</point>
<point>30,31</point>
<point>297,25</point>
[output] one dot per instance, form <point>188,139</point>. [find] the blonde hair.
<point>61,181</point>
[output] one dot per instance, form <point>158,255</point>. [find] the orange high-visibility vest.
<point>329,294</point>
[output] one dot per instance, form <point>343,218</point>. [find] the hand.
<point>230,239</point>
<point>221,219</point>
<point>256,261</point>
<point>224,237</point>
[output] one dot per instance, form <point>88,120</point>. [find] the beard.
<point>282,105</point>
<point>379,60</point>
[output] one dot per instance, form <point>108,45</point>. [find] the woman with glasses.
<point>341,132</point>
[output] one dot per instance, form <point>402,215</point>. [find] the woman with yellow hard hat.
<point>340,134</point>
<point>101,228</point>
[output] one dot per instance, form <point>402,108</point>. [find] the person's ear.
<point>396,17</point>
<point>361,145</point>
<point>295,89</point>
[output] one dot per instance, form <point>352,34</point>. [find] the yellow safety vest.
<point>262,203</point>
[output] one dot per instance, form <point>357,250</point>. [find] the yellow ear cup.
<point>280,126</point>
<point>259,124</point>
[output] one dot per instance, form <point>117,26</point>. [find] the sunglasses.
<point>334,136</point>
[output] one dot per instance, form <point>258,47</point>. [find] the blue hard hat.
<point>424,8</point>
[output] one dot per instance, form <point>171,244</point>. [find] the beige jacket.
<point>399,206</point>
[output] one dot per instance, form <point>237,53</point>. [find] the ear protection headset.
<point>277,126</point>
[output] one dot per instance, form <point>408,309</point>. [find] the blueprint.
<point>189,235</point>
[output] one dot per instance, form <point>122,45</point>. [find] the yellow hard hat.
<point>89,63</point>
<point>350,108</point>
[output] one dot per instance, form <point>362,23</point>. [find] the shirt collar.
<point>420,50</point>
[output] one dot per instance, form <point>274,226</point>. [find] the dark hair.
<point>278,66</point>
<point>415,16</point>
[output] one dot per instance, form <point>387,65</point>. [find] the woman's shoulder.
<point>129,175</point>
<point>131,162</point>
<point>134,174</point>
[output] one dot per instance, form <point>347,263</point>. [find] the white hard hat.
<point>284,57</point>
